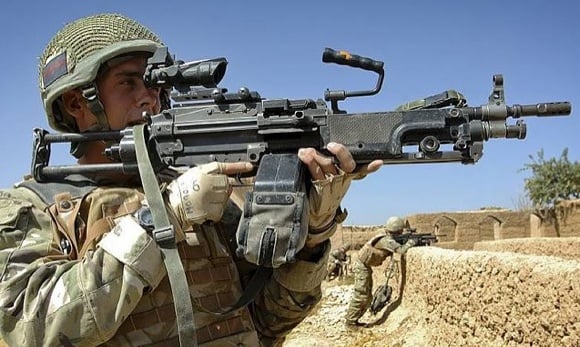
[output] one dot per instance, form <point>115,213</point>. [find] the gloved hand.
<point>330,184</point>
<point>201,193</point>
<point>325,197</point>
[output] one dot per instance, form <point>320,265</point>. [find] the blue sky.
<point>275,48</point>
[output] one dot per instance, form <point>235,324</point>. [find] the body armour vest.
<point>80,222</point>
<point>369,255</point>
<point>214,285</point>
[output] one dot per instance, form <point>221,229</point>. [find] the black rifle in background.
<point>421,239</point>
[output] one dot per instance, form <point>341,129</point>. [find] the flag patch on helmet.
<point>54,69</point>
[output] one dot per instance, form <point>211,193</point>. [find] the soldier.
<point>337,263</point>
<point>373,253</point>
<point>79,264</point>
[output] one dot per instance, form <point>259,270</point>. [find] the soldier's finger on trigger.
<point>309,157</point>
<point>327,164</point>
<point>345,159</point>
<point>234,168</point>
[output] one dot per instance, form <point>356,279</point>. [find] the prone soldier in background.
<point>373,254</point>
<point>81,266</point>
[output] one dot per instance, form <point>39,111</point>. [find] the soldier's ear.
<point>73,103</point>
<point>76,106</point>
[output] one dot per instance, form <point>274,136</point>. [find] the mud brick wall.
<point>354,235</point>
<point>493,298</point>
<point>461,230</point>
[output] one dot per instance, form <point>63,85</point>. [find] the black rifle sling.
<point>254,286</point>
<point>164,235</point>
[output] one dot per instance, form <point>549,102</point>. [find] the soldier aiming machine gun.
<point>382,294</point>
<point>206,124</point>
<point>209,124</point>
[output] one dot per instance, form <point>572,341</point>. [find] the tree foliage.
<point>552,180</point>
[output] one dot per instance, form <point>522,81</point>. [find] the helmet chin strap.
<point>91,95</point>
<point>77,149</point>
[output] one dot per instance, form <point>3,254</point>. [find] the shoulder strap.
<point>164,235</point>
<point>76,185</point>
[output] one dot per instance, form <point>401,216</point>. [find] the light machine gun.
<point>206,124</point>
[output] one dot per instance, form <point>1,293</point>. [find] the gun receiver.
<point>210,124</point>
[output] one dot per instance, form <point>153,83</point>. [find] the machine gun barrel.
<point>544,109</point>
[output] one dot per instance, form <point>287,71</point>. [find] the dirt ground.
<point>325,327</point>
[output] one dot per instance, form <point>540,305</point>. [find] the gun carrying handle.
<point>353,60</point>
<point>345,58</point>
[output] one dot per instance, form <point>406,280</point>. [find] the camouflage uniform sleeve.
<point>289,296</point>
<point>47,299</point>
<point>387,243</point>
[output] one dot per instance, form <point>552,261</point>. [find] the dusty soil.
<point>325,326</point>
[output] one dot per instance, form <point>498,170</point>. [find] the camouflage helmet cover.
<point>74,55</point>
<point>395,224</point>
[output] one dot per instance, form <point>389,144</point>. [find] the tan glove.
<point>199,194</point>
<point>325,212</point>
<point>330,184</point>
<point>325,197</point>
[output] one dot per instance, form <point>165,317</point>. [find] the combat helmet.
<point>74,55</point>
<point>395,224</point>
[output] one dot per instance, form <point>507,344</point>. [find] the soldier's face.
<point>124,95</point>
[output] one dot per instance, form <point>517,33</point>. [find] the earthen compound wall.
<point>461,230</point>
<point>505,279</point>
<point>491,298</point>
<point>562,247</point>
